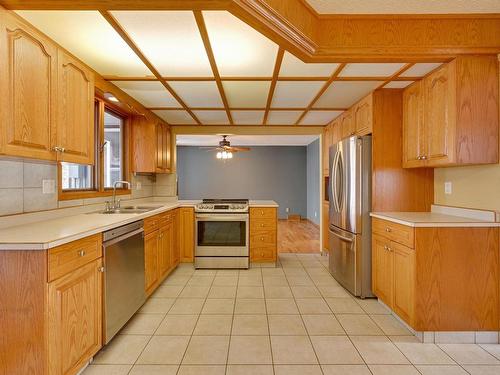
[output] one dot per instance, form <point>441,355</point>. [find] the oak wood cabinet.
<point>363,116</point>
<point>165,244</point>
<point>75,318</point>
<point>263,234</point>
<point>151,146</point>
<point>176,250</point>
<point>438,278</point>
<point>186,234</point>
<point>451,116</point>
<point>348,125</point>
<point>327,142</point>
<point>151,256</point>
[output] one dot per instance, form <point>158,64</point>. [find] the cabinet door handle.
<point>387,248</point>
<point>262,225</point>
<point>424,157</point>
<point>81,253</point>
<point>388,230</point>
<point>101,269</point>
<point>262,238</point>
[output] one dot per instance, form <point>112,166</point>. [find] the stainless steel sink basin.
<point>128,210</point>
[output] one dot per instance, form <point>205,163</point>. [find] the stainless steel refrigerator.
<point>349,231</point>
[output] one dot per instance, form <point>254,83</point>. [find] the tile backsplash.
<point>21,187</point>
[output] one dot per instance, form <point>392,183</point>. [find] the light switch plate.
<point>48,186</point>
<point>447,187</point>
<point>139,186</point>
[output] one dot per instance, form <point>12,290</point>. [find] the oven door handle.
<point>223,217</point>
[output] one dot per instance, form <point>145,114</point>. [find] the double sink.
<point>128,210</point>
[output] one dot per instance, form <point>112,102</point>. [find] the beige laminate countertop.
<point>46,234</point>
<point>432,219</point>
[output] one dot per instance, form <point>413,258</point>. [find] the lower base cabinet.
<point>151,261</point>
<point>263,234</point>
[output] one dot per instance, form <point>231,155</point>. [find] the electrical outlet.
<point>287,209</point>
<point>315,213</point>
<point>139,186</point>
<point>447,187</point>
<point>48,186</point>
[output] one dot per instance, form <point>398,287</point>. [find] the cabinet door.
<point>165,248</point>
<point>75,318</point>
<point>75,119</point>
<point>363,116</point>
<point>439,120</point>
<point>152,276</point>
<point>413,126</point>
<point>186,234</point>
<point>166,149</point>
<point>404,281</point>
<point>348,125</point>
<point>28,80</point>
<point>144,141</point>
<point>382,269</point>
<point>326,145</point>
<point>336,132</point>
<point>159,148</point>
<point>176,255</point>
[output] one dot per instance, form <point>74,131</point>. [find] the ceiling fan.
<point>225,150</point>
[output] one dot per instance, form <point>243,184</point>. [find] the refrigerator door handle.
<point>334,181</point>
<point>343,238</point>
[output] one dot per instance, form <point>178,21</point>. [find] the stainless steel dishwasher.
<point>123,276</point>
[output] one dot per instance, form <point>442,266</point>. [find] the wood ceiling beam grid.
<point>272,87</point>
<point>321,91</point>
<point>200,21</point>
<point>400,71</point>
<point>119,29</point>
<point>245,109</point>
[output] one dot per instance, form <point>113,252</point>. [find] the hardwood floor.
<point>298,237</point>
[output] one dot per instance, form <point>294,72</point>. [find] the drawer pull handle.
<point>262,212</point>
<point>262,238</point>
<point>81,253</point>
<point>388,230</point>
<point>387,248</point>
<point>101,269</point>
<point>261,225</point>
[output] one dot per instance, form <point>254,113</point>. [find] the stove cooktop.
<point>222,206</point>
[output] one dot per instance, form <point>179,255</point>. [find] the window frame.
<point>98,189</point>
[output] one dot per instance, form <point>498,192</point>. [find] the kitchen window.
<point>79,181</point>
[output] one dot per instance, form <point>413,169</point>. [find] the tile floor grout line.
<point>232,324</point>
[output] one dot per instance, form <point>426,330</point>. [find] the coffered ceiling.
<point>211,68</point>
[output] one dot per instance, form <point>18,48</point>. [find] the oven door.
<point>221,235</point>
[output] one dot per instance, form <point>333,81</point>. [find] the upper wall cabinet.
<point>451,116</point>
<point>28,80</point>
<point>75,119</point>
<point>47,97</point>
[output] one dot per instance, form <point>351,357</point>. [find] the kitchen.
<point>111,262</point>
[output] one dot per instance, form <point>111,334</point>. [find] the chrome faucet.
<point>114,204</point>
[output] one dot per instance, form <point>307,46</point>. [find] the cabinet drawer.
<point>396,232</point>
<point>262,224</point>
<point>263,238</point>
<point>263,253</point>
<point>262,212</point>
<point>151,224</point>
<point>66,258</point>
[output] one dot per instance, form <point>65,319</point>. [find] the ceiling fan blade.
<point>209,148</point>
<point>240,149</point>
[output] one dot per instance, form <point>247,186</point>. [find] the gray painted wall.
<point>266,172</point>
<point>313,201</point>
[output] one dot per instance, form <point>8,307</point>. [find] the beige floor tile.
<point>493,349</point>
<point>441,370</point>
<point>300,281</point>
<point>335,350</point>
<point>281,306</point>
<point>207,350</point>
<point>177,280</point>
<point>187,306</point>
<point>292,350</point>
<point>157,305</point>
<point>372,306</point>
<point>201,281</point>
<point>278,292</point>
<point>227,272</point>
<point>222,292</point>
<point>218,306</point>
<point>168,291</point>
<point>286,325</point>
<point>251,280</point>
<point>408,339</point>
<point>194,292</point>
<point>225,281</point>
<point>124,349</point>
<point>469,354</point>
<point>312,306</point>
<point>424,354</point>
<point>108,370</point>
<point>250,292</point>
<point>249,370</point>
<point>305,292</point>
<point>322,325</point>
<point>143,324</point>
<point>297,370</point>
<point>201,370</point>
<point>390,325</point>
<point>359,325</point>
<point>164,350</point>
<point>344,306</point>
<point>177,325</point>
<point>252,325</point>
<point>272,272</point>
<point>213,325</point>
<point>393,370</point>
<point>249,306</point>
<point>324,280</point>
<point>345,370</point>
<point>332,291</point>
<point>249,350</point>
<point>275,281</point>
<point>483,370</point>
<point>378,350</point>
<point>154,370</point>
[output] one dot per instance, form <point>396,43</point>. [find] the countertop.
<point>433,219</point>
<point>49,233</point>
